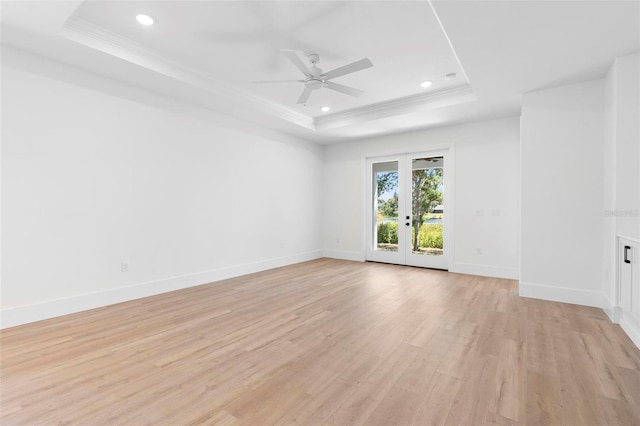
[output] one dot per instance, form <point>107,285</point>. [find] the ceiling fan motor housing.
<point>315,83</point>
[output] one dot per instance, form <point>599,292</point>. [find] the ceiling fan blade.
<point>343,89</point>
<point>305,95</point>
<point>296,61</point>
<point>277,81</point>
<point>348,69</point>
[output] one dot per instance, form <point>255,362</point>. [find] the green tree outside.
<point>426,194</point>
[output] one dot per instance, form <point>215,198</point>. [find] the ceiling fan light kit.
<point>315,79</point>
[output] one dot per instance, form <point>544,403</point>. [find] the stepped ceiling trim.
<point>88,34</point>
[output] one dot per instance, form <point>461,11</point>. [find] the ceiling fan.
<point>316,79</point>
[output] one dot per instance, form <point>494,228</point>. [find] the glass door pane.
<point>385,206</point>
<point>427,206</point>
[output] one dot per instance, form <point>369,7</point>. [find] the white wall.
<point>627,137</point>
<point>487,179</point>
<point>561,191</point>
<point>621,164</point>
<point>90,180</point>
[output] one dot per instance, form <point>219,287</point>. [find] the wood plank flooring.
<point>326,342</point>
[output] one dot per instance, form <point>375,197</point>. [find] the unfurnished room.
<point>320,212</point>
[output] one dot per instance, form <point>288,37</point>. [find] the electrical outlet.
<point>124,267</point>
<point>478,250</point>
<point>479,212</point>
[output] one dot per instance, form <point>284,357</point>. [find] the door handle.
<point>626,253</point>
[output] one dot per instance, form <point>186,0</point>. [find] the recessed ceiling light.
<point>325,109</point>
<point>450,76</point>
<point>426,84</point>
<point>145,19</point>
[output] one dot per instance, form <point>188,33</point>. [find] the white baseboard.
<point>613,312</point>
<point>345,255</point>
<point>484,270</point>
<point>53,308</point>
<point>631,326</point>
<point>561,294</point>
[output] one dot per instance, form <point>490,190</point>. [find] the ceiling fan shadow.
<point>276,32</point>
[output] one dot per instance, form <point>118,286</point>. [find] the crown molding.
<point>88,34</point>
<point>398,106</point>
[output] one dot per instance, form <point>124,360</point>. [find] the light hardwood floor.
<point>325,342</point>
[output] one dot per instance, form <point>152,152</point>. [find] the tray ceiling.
<point>209,52</point>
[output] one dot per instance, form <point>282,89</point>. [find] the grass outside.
<point>430,237</point>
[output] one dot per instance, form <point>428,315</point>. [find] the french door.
<point>407,216</point>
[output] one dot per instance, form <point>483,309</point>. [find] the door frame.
<point>403,256</point>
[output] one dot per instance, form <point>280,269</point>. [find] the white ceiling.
<point>209,52</point>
